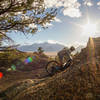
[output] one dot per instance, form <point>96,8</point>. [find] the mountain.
<point>47,47</point>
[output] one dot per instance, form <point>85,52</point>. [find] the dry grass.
<point>76,83</point>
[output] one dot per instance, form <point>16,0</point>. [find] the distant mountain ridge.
<point>47,47</point>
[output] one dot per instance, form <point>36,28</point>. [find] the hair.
<point>72,48</point>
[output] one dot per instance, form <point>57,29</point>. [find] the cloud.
<point>57,20</point>
<point>50,3</point>
<point>52,41</point>
<point>49,41</point>
<point>48,24</point>
<point>88,3</point>
<point>32,25</point>
<point>78,43</point>
<point>98,4</point>
<point>72,12</point>
<point>71,7</point>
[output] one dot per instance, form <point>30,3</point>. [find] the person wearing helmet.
<point>65,53</point>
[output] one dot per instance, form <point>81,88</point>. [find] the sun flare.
<point>89,29</point>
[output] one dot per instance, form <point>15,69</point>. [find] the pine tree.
<point>40,50</point>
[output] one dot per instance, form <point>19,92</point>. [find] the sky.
<point>76,21</point>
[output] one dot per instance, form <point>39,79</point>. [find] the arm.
<point>68,52</point>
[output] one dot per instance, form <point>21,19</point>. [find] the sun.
<point>89,29</point>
